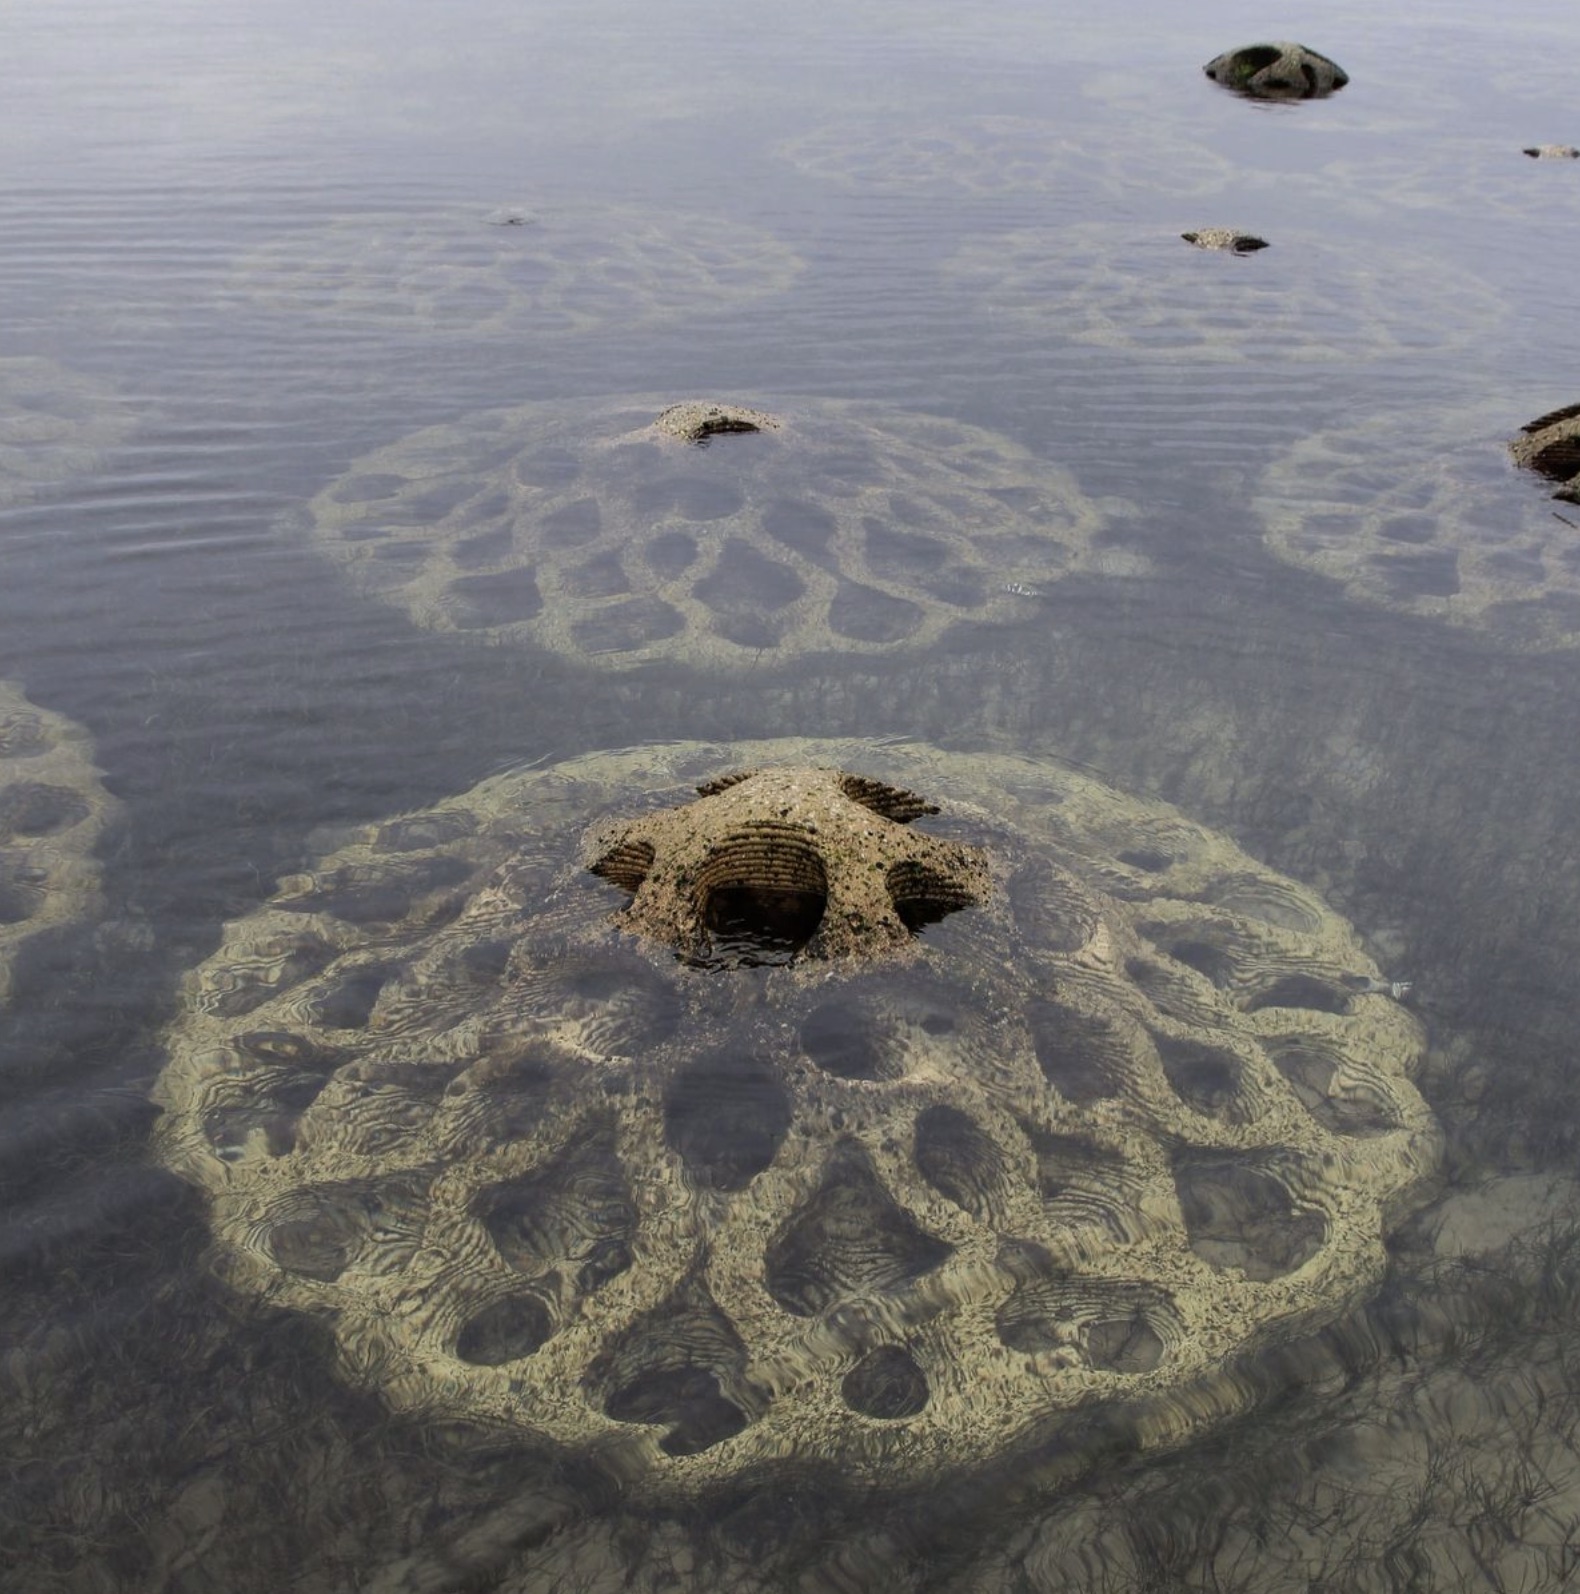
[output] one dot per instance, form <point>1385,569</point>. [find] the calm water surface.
<point>176,178</point>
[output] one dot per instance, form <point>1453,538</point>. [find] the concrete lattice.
<point>53,809</point>
<point>1124,1107</point>
<point>599,530</point>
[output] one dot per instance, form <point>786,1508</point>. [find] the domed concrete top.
<point>1550,445</point>
<point>1072,1137</point>
<point>1278,71</point>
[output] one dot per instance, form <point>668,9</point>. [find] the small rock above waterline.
<point>697,421</point>
<point>1277,71</point>
<point>1225,239</point>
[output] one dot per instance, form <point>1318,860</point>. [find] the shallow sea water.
<point>896,204</point>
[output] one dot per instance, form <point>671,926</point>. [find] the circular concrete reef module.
<point>54,424</point>
<point>1418,510</point>
<point>712,1111</point>
<point>987,156</point>
<point>601,530</point>
<point>450,273</point>
<point>1279,71</point>
<point>53,810</point>
<point>1310,299</point>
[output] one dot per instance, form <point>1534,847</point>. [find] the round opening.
<point>922,896</point>
<point>761,896</point>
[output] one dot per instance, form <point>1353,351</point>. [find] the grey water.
<point>173,175</point>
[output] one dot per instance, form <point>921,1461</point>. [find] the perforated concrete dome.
<point>54,424</point>
<point>600,529</point>
<point>564,269</point>
<point>1550,446</point>
<point>1310,299</point>
<point>1071,1146</point>
<point>53,809</point>
<point>1280,71</point>
<point>985,156</point>
<point>1423,511</point>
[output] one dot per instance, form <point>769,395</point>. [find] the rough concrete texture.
<point>1225,238</point>
<point>895,1207</point>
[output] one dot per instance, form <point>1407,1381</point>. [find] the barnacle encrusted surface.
<point>1069,1151</point>
<point>598,528</point>
<point>1137,290</point>
<point>1419,510</point>
<point>52,812</point>
<point>54,423</point>
<point>991,155</point>
<point>1279,71</point>
<point>564,270</point>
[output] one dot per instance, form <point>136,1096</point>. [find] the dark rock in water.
<point>511,216</point>
<point>1277,71</point>
<point>1225,239</point>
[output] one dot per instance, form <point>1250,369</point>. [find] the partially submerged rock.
<point>1550,445</point>
<point>1225,238</point>
<point>1278,71</point>
<point>897,1201</point>
<point>1553,152</point>
<point>697,421</point>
